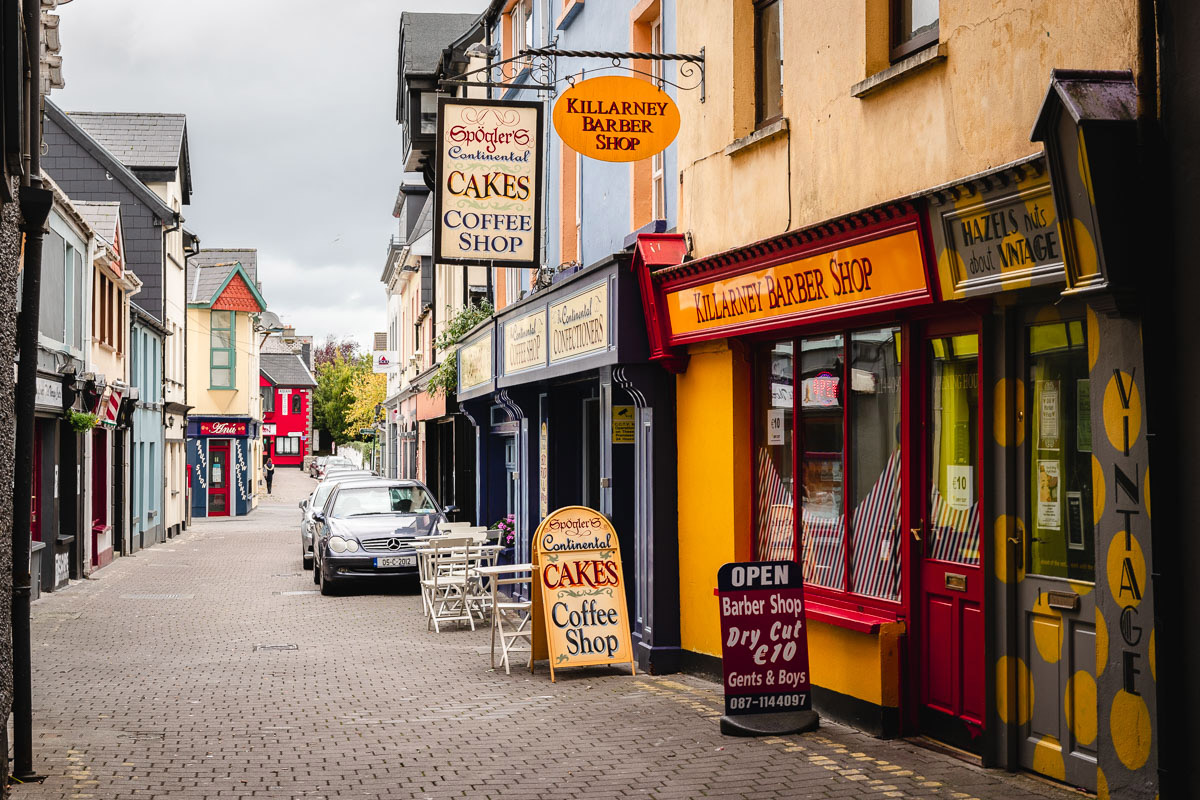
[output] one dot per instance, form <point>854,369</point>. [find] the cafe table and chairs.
<point>512,624</point>
<point>448,580</point>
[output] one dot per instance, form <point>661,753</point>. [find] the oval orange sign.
<point>616,118</point>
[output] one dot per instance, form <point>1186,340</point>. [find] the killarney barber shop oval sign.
<point>616,118</point>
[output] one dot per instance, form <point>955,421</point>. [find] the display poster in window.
<point>622,424</point>
<point>1048,407</point>
<point>1075,538</point>
<point>960,482</point>
<point>822,486</point>
<point>776,426</point>
<point>487,196</point>
<point>581,589</point>
<point>781,394</point>
<point>1083,415</point>
<point>764,649</point>
<point>1049,505</point>
<point>544,470</point>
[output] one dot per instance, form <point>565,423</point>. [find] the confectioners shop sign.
<point>582,590</point>
<point>488,190</point>
<point>874,275</point>
<point>764,648</point>
<point>616,118</point>
<point>579,324</point>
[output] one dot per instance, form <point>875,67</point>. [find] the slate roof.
<point>101,216</point>
<point>423,36</point>
<point>139,140</point>
<point>114,166</point>
<point>247,256</point>
<point>285,370</point>
<point>274,344</point>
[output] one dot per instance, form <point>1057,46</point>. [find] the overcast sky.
<point>292,133</point>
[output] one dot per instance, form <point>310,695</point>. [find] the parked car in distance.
<point>314,502</point>
<point>366,530</point>
<point>333,462</point>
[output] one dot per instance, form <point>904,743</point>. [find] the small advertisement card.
<point>1049,505</point>
<point>959,482</point>
<point>764,648</point>
<point>1048,415</point>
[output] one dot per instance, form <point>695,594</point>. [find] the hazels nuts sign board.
<point>581,589</point>
<point>489,177</point>
<point>616,118</point>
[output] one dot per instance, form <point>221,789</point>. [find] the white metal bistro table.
<point>512,620</point>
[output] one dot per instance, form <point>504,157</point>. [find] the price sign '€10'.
<point>582,590</point>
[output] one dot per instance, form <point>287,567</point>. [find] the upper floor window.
<point>268,399</point>
<point>429,111</point>
<point>658,166</point>
<point>914,26</point>
<point>768,54</point>
<point>520,26</point>
<point>223,354</point>
<point>296,401</point>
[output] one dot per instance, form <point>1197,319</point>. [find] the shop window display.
<point>953,451</point>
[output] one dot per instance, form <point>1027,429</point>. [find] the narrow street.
<point>209,667</point>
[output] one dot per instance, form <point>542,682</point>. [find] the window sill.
<point>918,61</point>
<point>860,621</point>
<point>764,134</point>
<point>571,9</point>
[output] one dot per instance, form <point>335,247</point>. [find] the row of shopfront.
<point>919,403</point>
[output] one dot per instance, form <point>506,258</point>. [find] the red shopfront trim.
<point>658,276</point>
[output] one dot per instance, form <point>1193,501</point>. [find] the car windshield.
<point>357,502</point>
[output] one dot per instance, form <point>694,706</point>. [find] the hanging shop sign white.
<point>489,177</point>
<point>384,361</point>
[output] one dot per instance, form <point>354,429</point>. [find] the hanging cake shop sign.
<point>489,173</point>
<point>616,118</point>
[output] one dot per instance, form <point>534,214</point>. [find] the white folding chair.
<point>449,580</point>
<point>511,622</point>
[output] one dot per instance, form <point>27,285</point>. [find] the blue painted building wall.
<point>146,441</point>
<point>606,212</point>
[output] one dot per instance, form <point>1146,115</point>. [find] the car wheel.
<point>316,572</point>
<point>326,585</point>
<point>308,561</point>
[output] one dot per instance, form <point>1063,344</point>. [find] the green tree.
<point>336,380</point>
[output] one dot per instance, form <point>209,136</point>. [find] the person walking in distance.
<point>269,471</point>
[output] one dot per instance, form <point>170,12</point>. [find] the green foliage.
<point>82,423</point>
<point>445,379</point>
<point>334,396</point>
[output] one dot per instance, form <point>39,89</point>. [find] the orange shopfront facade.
<point>902,401</point>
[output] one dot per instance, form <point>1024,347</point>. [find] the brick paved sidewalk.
<point>151,681</point>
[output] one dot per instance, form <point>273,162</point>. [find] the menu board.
<point>582,590</point>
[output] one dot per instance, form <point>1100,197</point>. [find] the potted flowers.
<point>508,538</point>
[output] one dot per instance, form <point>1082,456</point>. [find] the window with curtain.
<point>222,349</point>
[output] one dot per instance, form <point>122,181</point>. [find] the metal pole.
<point>35,204</point>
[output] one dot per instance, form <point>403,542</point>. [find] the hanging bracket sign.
<point>582,591</point>
<point>764,649</point>
<point>489,177</point>
<point>616,118</point>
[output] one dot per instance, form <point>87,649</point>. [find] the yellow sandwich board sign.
<point>582,591</point>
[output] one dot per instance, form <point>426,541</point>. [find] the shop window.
<point>953,450</point>
<point>287,445</point>
<point>222,349</point>
<point>768,55</point>
<point>1061,543</point>
<point>914,26</point>
<point>845,392</point>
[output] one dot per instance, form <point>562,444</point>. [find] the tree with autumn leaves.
<point>347,391</point>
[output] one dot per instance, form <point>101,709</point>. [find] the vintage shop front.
<point>907,399</point>
<point>569,412</point>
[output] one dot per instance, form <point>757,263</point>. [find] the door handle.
<point>916,533</point>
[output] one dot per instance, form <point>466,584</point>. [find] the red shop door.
<point>951,632</point>
<point>218,478</point>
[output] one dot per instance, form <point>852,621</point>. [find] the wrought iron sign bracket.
<point>538,69</point>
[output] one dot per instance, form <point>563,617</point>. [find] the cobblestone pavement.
<point>152,681</point>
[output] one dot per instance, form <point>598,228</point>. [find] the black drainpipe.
<point>35,204</point>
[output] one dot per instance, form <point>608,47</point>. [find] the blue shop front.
<point>219,467</point>
<point>568,411</point>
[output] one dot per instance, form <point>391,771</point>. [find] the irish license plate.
<point>396,561</point>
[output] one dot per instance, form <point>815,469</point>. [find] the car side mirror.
<point>318,517</point>
<point>303,503</point>
<point>448,510</point>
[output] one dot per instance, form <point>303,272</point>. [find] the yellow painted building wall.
<point>242,400</point>
<point>713,418</point>
<point>963,115</point>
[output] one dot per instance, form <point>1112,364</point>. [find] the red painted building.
<point>287,386</point>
